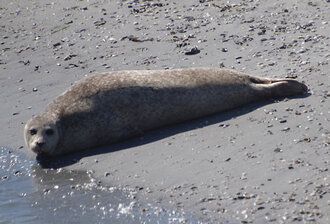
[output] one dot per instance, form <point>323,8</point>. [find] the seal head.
<point>41,135</point>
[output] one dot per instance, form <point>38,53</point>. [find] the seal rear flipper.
<point>282,87</point>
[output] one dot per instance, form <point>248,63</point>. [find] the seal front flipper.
<point>136,131</point>
<point>129,131</point>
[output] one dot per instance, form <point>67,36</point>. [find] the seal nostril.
<point>40,144</point>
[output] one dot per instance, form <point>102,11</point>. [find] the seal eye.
<point>33,131</point>
<point>49,132</point>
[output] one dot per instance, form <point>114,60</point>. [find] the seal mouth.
<point>37,150</point>
<point>42,150</point>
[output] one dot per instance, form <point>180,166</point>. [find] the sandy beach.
<point>266,162</point>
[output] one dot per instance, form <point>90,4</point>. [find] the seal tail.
<point>279,87</point>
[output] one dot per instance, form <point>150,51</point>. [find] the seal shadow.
<point>156,134</point>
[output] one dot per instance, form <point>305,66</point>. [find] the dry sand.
<point>266,162</point>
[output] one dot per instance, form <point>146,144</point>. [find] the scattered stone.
<point>69,57</point>
<point>25,62</point>
<point>18,173</point>
<point>278,150</point>
<point>192,51</point>
<point>224,125</point>
<point>136,39</point>
<point>285,129</point>
<point>56,44</point>
<point>71,65</point>
<point>207,199</point>
<point>100,22</point>
<point>262,32</point>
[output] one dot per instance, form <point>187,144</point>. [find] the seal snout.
<point>40,144</point>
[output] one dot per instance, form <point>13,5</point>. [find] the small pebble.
<point>285,129</point>
<point>192,51</point>
<point>278,150</point>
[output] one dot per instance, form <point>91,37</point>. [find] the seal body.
<point>109,107</point>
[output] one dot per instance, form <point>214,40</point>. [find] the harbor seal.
<point>113,106</point>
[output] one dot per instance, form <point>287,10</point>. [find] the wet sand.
<point>32,194</point>
<point>266,162</point>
